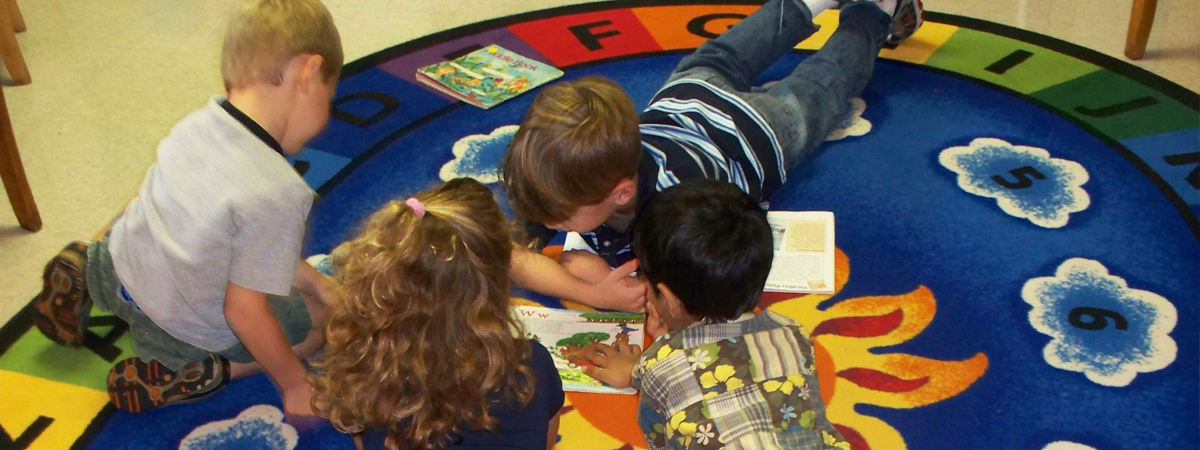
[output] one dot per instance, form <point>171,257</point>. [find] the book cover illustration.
<point>564,333</point>
<point>487,76</point>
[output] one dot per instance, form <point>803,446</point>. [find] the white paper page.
<point>804,248</point>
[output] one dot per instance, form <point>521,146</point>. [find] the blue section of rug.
<point>168,427</point>
<point>903,220</point>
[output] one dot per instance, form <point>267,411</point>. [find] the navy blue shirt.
<point>524,428</point>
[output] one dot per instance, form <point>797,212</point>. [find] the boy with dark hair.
<point>722,376</point>
<point>204,264</point>
<point>710,243</point>
<point>584,161</point>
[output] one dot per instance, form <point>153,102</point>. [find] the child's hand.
<point>297,400</point>
<point>620,291</point>
<point>612,365</point>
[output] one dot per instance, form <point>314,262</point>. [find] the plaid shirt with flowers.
<point>746,384</point>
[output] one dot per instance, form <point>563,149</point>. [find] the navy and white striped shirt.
<point>692,130</point>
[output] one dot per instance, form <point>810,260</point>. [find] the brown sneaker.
<point>62,309</point>
<point>135,385</point>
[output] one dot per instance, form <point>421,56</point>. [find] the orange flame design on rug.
<point>849,374</point>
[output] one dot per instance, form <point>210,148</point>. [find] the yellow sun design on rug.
<point>848,372</point>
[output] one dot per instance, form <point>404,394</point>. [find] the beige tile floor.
<point>111,77</point>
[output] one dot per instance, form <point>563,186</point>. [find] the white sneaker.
<point>909,16</point>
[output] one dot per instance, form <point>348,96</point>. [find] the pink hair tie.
<point>416,206</point>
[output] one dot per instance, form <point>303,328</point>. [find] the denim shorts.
<point>153,343</point>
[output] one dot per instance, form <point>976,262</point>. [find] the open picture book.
<point>804,249</point>
<point>565,332</point>
<point>487,76</point>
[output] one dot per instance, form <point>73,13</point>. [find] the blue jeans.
<point>807,104</point>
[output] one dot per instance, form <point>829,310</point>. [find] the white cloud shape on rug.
<point>259,426</point>
<point>1099,325</point>
<point>478,156</point>
<point>1066,445</point>
<point>852,124</point>
<point>1025,181</point>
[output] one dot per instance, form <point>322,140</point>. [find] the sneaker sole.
<point>135,385</point>
<point>917,14</point>
<point>62,309</point>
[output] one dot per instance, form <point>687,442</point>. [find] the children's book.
<point>565,332</point>
<point>804,251</point>
<point>487,76</point>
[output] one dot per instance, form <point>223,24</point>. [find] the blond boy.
<point>204,264</point>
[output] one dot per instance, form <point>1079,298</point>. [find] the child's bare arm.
<point>315,284</point>
<point>544,275</point>
<point>552,432</point>
<point>249,316</point>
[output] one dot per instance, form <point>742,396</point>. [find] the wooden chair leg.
<point>1140,21</point>
<point>9,50</point>
<point>13,173</point>
<point>17,19</point>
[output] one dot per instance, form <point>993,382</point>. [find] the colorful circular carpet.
<point>1016,225</point>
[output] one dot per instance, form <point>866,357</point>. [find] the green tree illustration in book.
<point>487,76</point>
<point>565,333</point>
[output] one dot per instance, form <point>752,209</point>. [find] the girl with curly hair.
<point>423,353</point>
